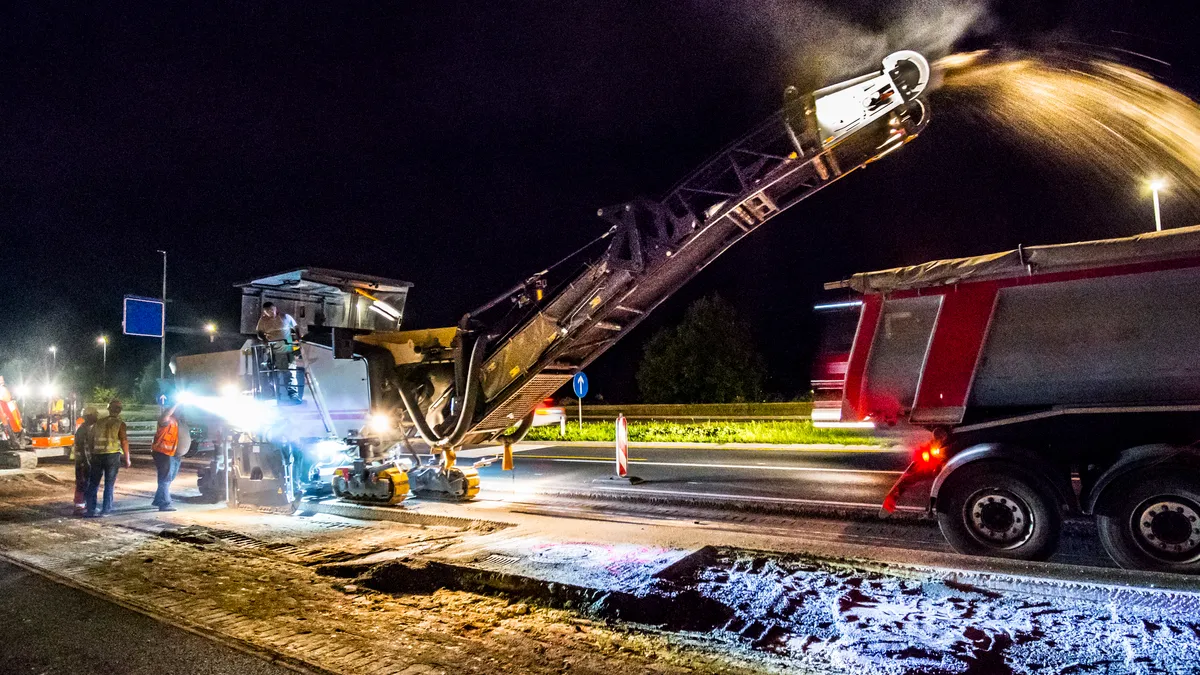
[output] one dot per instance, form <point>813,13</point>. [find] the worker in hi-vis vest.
<point>109,443</point>
<point>171,442</point>
<point>81,452</point>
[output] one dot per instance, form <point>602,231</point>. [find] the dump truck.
<point>1055,380</point>
<point>482,380</point>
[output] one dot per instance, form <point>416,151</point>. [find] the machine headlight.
<point>327,450</point>
<point>380,423</point>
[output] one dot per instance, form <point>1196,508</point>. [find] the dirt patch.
<point>24,481</point>
<point>256,586</point>
<point>663,607</point>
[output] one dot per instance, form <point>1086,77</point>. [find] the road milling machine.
<point>480,382</point>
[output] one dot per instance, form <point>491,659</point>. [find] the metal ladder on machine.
<point>266,372</point>
<point>268,376</point>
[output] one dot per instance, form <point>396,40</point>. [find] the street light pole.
<point>54,358</point>
<point>103,340</point>
<point>1155,186</point>
<point>162,344</point>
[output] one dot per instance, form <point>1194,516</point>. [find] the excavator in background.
<point>35,427</point>
<point>482,380</point>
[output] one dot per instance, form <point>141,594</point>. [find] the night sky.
<point>464,146</point>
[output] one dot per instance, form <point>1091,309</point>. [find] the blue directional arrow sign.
<point>580,384</point>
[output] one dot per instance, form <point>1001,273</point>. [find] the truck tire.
<point>999,510</point>
<point>1151,521</point>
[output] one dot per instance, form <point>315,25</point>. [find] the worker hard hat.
<point>115,403</point>
<point>91,410</point>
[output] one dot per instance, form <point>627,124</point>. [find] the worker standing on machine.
<point>82,454</point>
<point>110,441</point>
<point>280,333</point>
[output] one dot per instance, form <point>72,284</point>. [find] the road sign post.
<point>579,384</point>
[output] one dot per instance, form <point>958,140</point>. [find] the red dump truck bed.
<point>1055,379</point>
<point>1110,322</point>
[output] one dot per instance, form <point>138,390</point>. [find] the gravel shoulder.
<point>492,587</point>
<point>254,577</point>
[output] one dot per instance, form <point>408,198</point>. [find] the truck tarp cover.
<point>1182,242</point>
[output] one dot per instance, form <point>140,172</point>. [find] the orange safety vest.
<point>9,414</point>
<point>166,439</point>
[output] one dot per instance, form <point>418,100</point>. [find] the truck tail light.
<point>928,457</point>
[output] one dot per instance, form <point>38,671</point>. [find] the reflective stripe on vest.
<point>166,439</point>
<point>107,436</point>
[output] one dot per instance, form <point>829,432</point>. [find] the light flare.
<point>242,412</point>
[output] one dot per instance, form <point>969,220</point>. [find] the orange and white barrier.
<point>622,447</point>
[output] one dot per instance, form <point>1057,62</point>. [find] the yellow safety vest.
<point>108,435</point>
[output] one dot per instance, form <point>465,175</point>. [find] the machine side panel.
<point>207,374</point>
<point>340,385</point>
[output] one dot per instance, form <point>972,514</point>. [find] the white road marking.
<point>706,465</point>
<point>751,498</point>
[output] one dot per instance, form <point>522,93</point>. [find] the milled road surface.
<point>858,478</point>
<point>49,628</point>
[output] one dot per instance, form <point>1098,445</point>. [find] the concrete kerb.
<point>765,505</point>
<point>397,514</point>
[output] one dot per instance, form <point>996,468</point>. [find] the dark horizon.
<point>464,147</point>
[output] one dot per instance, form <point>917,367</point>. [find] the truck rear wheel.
<point>1152,522</point>
<point>999,510</point>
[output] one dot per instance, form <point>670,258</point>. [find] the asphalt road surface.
<point>48,628</point>
<point>837,477</point>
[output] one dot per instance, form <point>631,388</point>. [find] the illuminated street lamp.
<point>103,342</point>
<point>211,329</point>
<point>54,356</point>
<point>1156,185</point>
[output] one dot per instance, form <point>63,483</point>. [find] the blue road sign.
<point>143,316</point>
<point>579,384</point>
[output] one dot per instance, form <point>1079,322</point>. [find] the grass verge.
<point>784,409</point>
<point>766,432</point>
